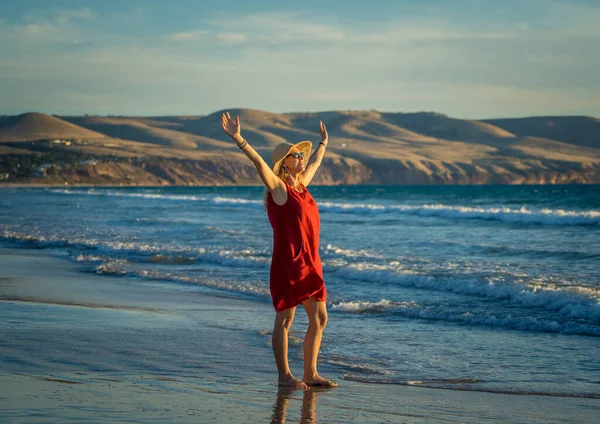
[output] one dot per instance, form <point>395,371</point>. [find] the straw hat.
<point>283,149</point>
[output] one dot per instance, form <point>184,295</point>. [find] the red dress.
<point>296,269</point>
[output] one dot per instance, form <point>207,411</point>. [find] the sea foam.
<point>504,214</point>
<point>414,310</point>
<point>523,215</point>
<point>573,302</point>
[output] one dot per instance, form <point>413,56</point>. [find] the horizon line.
<point>431,112</point>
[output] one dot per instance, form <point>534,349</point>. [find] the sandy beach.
<point>83,348</point>
<point>174,173</point>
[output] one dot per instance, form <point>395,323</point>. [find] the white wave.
<point>544,216</point>
<point>373,307</point>
<point>348,253</point>
<point>366,208</point>
<point>236,201</point>
<point>218,200</point>
<point>93,192</point>
<point>247,258</point>
<point>239,258</point>
<point>114,267</point>
<point>89,258</point>
<point>119,269</point>
<point>522,215</point>
<point>574,302</point>
<point>32,238</point>
<point>413,310</point>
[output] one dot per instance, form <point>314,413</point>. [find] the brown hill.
<point>367,147</point>
<point>253,126</point>
<point>443,127</point>
<point>266,129</point>
<point>356,125</point>
<point>145,130</point>
<point>38,126</point>
<point>361,129</point>
<point>578,130</point>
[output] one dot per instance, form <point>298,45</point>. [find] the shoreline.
<point>99,398</point>
<point>188,357</point>
<point>35,185</point>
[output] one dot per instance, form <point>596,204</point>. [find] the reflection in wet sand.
<point>308,413</point>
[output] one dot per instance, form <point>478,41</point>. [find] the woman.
<point>296,276</point>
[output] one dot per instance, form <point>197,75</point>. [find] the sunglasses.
<point>296,155</point>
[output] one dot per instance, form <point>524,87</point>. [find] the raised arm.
<point>233,129</point>
<point>316,158</point>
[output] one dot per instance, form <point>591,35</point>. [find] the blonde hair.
<point>279,154</point>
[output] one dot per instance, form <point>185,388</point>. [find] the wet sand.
<point>80,347</point>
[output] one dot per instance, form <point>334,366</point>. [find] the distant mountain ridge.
<point>36,126</point>
<point>366,147</point>
<point>579,130</point>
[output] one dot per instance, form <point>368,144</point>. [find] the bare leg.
<point>283,322</point>
<point>317,320</point>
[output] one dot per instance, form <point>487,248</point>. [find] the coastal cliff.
<point>367,147</point>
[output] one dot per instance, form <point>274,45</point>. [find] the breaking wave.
<point>575,302</point>
<point>521,215</point>
<point>414,310</point>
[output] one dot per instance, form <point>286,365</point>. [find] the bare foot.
<point>320,382</point>
<point>290,381</point>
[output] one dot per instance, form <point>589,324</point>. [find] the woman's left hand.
<point>324,138</point>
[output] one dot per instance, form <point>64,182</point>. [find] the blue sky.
<point>466,58</point>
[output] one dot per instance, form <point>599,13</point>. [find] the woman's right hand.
<point>271,181</point>
<point>231,127</point>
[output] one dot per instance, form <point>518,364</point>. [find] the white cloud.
<point>280,28</point>
<point>45,28</point>
<point>287,62</point>
<point>58,16</point>
<point>231,38</point>
<point>66,16</point>
<point>188,36</point>
<point>206,36</point>
<point>36,29</point>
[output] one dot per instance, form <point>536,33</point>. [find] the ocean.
<point>481,288</point>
